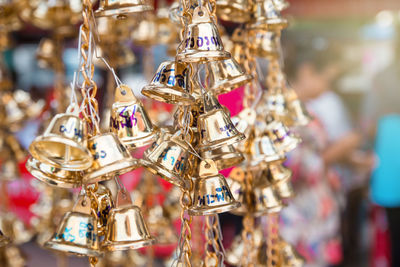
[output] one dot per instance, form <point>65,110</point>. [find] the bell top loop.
<point>208,168</point>
<point>200,14</point>
<point>73,109</point>
<point>83,205</point>
<point>123,198</point>
<point>210,102</point>
<point>124,93</point>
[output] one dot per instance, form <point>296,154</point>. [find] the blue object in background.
<point>385,182</point>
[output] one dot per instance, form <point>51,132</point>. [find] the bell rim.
<point>111,11</point>
<point>227,16</point>
<point>222,142</point>
<point>215,210</point>
<point>125,245</point>
<point>108,172</point>
<point>233,84</point>
<point>142,141</point>
<point>162,172</point>
<point>52,138</point>
<point>193,56</point>
<point>274,209</point>
<point>154,92</point>
<point>269,24</point>
<point>235,157</point>
<point>72,249</point>
<point>55,181</point>
<point>289,147</point>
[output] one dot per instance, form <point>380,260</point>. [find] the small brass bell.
<point>161,225</point>
<point>297,109</point>
<point>215,126</point>
<point>145,33</point>
<point>170,84</point>
<point>225,156</point>
<point>281,4</point>
<point>105,202</point>
<point>266,199</point>
<point>77,232</point>
<point>166,32</point>
<point>239,193</point>
<point>129,121</point>
<point>3,240</point>
<point>267,16</point>
<point>263,150</point>
<point>236,11</point>
<point>264,44</point>
<point>126,228</point>
<point>110,158</point>
<point>288,256</point>
<point>284,189</point>
<point>63,144</point>
<point>202,41</point>
<point>122,8</point>
<point>212,194</point>
<point>225,76</point>
<point>168,159</point>
<point>45,53</point>
<point>15,229</point>
<point>118,55</point>
<point>53,176</point>
<point>165,133</point>
<point>283,139</point>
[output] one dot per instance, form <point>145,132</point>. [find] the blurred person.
<point>382,110</point>
<point>327,141</point>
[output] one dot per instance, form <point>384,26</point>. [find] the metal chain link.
<point>272,239</point>
<point>211,259</point>
<point>248,225</point>
<point>89,86</point>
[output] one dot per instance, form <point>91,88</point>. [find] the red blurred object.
<point>380,250</point>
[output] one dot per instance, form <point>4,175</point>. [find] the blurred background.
<point>343,59</point>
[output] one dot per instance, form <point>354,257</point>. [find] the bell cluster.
<point>189,153</point>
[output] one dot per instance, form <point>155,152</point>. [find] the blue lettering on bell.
<point>76,131</point>
<point>67,236</point>
<point>100,154</point>
<point>227,129</point>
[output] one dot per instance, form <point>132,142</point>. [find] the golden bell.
<point>170,84</point>
<point>225,76</point>
<point>215,126</point>
<point>263,150</point>
<point>46,53</point>
<point>129,121</point>
<point>126,228</point>
<point>267,16</point>
<point>225,156</point>
<point>236,11</point>
<point>63,144</point>
<point>77,232</point>
<point>13,114</point>
<point>288,256</point>
<point>297,109</point>
<point>15,229</point>
<point>202,41</point>
<point>165,133</point>
<point>264,43</point>
<point>105,202</point>
<point>212,194</point>
<point>58,15</point>
<point>239,193</point>
<point>281,4</point>
<point>266,200</point>
<point>145,33</point>
<point>284,189</point>
<point>161,226</point>
<point>3,240</point>
<point>122,8</point>
<point>283,139</point>
<point>166,32</point>
<point>110,158</point>
<point>53,176</point>
<point>118,55</point>
<point>168,159</point>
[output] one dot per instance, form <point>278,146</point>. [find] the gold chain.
<point>211,246</point>
<point>87,70</point>
<point>275,79</point>
<point>248,225</point>
<point>272,239</point>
